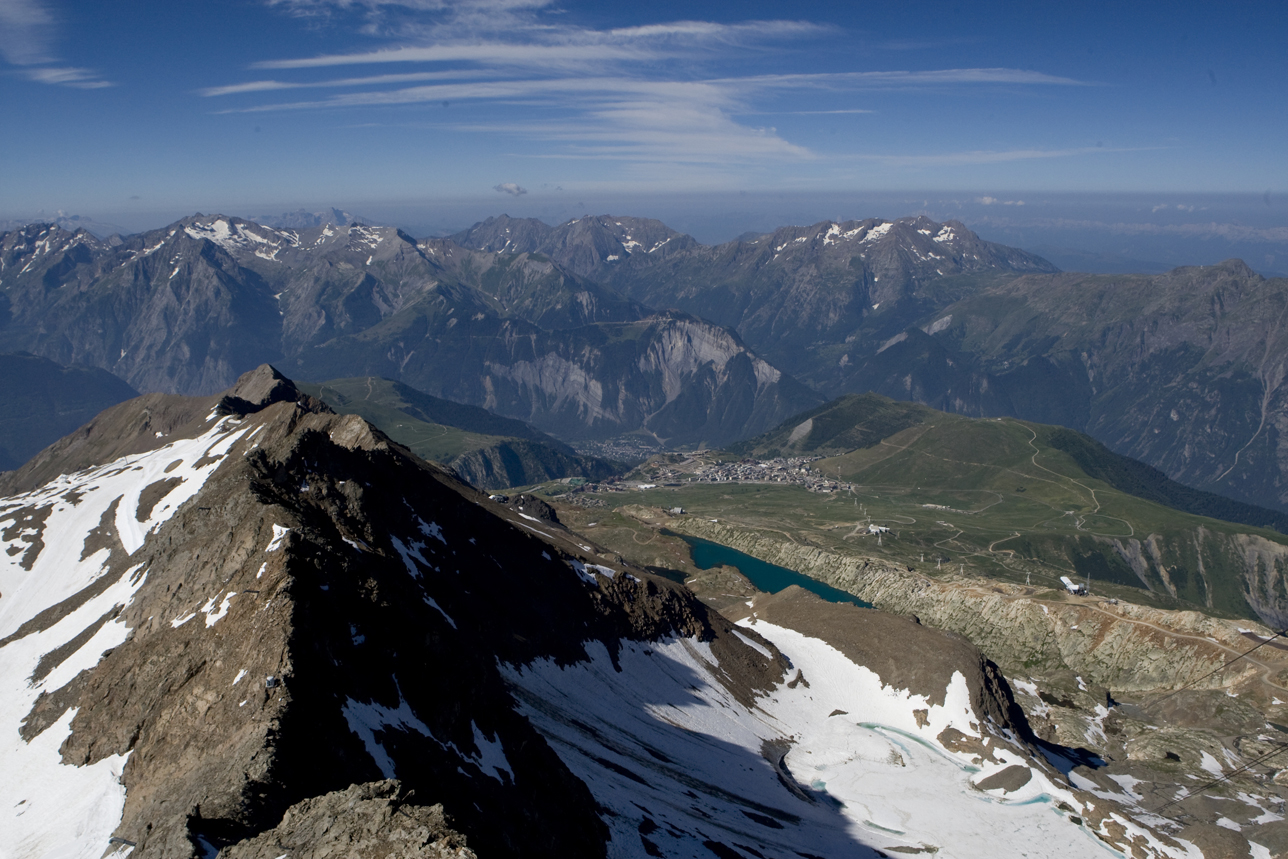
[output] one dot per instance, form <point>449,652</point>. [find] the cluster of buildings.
<point>793,470</point>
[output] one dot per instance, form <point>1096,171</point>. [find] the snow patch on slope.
<point>824,767</point>
<point>48,808</point>
<point>67,509</point>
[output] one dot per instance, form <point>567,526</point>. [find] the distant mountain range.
<point>302,219</point>
<point>71,223</point>
<point>186,308</point>
<point>792,294</point>
<point>606,326</point>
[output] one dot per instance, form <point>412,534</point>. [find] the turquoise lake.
<point>767,577</point>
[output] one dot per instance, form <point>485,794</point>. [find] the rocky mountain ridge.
<point>187,308</point>
<point>1180,370</point>
<point>225,619</point>
<point>786,291</point>
<point>564,327</point>
<point>1183,371</point>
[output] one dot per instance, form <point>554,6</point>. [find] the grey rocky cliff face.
<point>187,308</point>
<point>1183,371</point>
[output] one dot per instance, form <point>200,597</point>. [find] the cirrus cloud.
<point>27,32</point>
<point>633,93</point>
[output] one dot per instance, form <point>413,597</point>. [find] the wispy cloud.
<point>627,93</point>
<point>511,188</point>
<point>898,78</point>
<point>548,57</point>
<point>26,28</point>
<point>66,76</point>
<point>27,32</point>
<point>827,112</point>
<point>373,80</point>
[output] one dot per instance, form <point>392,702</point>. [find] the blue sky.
<point>143,107</point>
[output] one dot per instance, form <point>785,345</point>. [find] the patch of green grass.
<point>992,498</point>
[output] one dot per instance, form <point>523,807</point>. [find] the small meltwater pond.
<point>765,576</point>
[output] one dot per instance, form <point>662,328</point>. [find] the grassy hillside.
<point>1002,498</point>
<point>490,451</point>
<point>843,424</point>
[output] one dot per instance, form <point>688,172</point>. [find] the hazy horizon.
<point>1116,232</point>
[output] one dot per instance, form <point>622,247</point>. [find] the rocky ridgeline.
<point>187,308</point>
<point>245,623</point>
<point>287,606</point>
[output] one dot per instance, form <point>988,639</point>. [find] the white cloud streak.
<point>899,78</point>
<point>66,76</point>
<point>27,31</point>
<point>373,80</point>
<point>26,28</point>
<point>495,53</point>
<point>607,94</point>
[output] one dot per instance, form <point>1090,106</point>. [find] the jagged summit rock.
<point>272,569</point>
<point>231,631</point>
<point>256,389</point>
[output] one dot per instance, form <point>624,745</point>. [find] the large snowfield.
<point>49,809</point>
<point>676,759</point>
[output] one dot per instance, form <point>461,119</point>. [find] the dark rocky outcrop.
<point>372,819</point>
<point>328,611</point>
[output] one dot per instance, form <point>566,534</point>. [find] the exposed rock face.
<point>800,289</point>
<point>590,247</point>
<point>187,308</point>
<point>676,377</point>
<point>1183,370</point>
<point>273,602</point>
<point>373,819</point>
<point>786,292</point>
<point>237,634</point>
<point>901,651</point>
